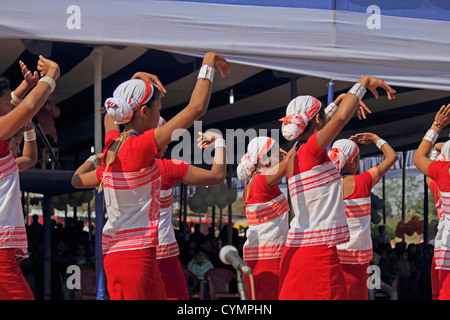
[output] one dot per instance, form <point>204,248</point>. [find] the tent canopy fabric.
<point>277,49</point>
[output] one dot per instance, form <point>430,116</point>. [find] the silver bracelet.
<point>50,82</point>
<point>93,159</point>
<point>15,101</point>
<point>206,72</point>
<point>331,109</point>
<point>220,143</point>
<point>29,135</point>
<point>431,136</point>
<point>380,143</point>
<point>358,90</point>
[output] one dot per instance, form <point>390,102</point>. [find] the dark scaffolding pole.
<point>425,267</point>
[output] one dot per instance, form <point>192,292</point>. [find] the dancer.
<point>356,254</point>
<point>440,152</point>
<point>267,212</point>
<point>310,267</point>
<point>439,172</point>
<point>131,181</point>
<point>172,171</point>
<point>13,239</point>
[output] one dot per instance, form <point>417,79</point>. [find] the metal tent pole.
<point>97,56</point>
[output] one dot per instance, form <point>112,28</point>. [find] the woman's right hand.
<point>48,68</point>
<point>213,59</point>
<point>373,83</point>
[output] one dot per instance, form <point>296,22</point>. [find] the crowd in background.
<point>401,265</point>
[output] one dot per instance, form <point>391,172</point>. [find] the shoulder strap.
<point>123,138</point>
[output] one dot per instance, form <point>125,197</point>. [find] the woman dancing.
<point>310,267</point>
<point>15,112</point>
<point>439,172</point>
<point>356,254</point>
<point>131,180</point>
<point>267,212</point>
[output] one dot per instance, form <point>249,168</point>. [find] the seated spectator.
<point>200,264</point>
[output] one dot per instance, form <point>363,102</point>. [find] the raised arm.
<point>24,112</point>
<point>200,177</point>
<point>390,156</point>
<point>198,103</point>
<point>85,176</point>
<point>348,107</point>
<point>275,174</point>
<point>29,81</point>
<point>30,151</point>
<point>441,120</point>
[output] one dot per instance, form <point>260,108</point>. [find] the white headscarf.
<point>298,113</point>
<point>257,148</point>
<point>342,151</point>
<point>161,121</point>
<point>127,97</point>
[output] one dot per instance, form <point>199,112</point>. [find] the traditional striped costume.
<point>13,236</point>
<point>356,254</point>
<point>167,250</point>
<point>132,195</point>
<point>438,171</point>
<point>267,212</point>
<point>310,267</point>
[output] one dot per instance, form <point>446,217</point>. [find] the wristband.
<point>358,90</point>
<point>206,72</point>
<point>50,82</point>
<point>220,143</point>
<point>29,135</point>
<point>431,136</point>
<point>331,109</point>
<point>434,154</point>
<point>380,143</point>
<point>15,101</point>
<point>93,159</point>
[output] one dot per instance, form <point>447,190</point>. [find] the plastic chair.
<point>196,287</point>
<point>88,290</point>
<point>219,280</point>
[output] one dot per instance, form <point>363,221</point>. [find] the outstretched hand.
<point>364,138</point>
<point>442,118</point>
<point>152,79</point>
<point>218,61</point>
<point>48,68</point>
<point>207,138</point>
<point>362,107</point>
<point>31,78</point>
<point>373,83</point>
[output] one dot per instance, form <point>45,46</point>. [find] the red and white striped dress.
<point>356,254</point>
<point>267,212</point>
<point>310,267</point>
<point>13,235</point>
<point>130,235</point>
<point>167,250</point>
<point>439,172</point>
